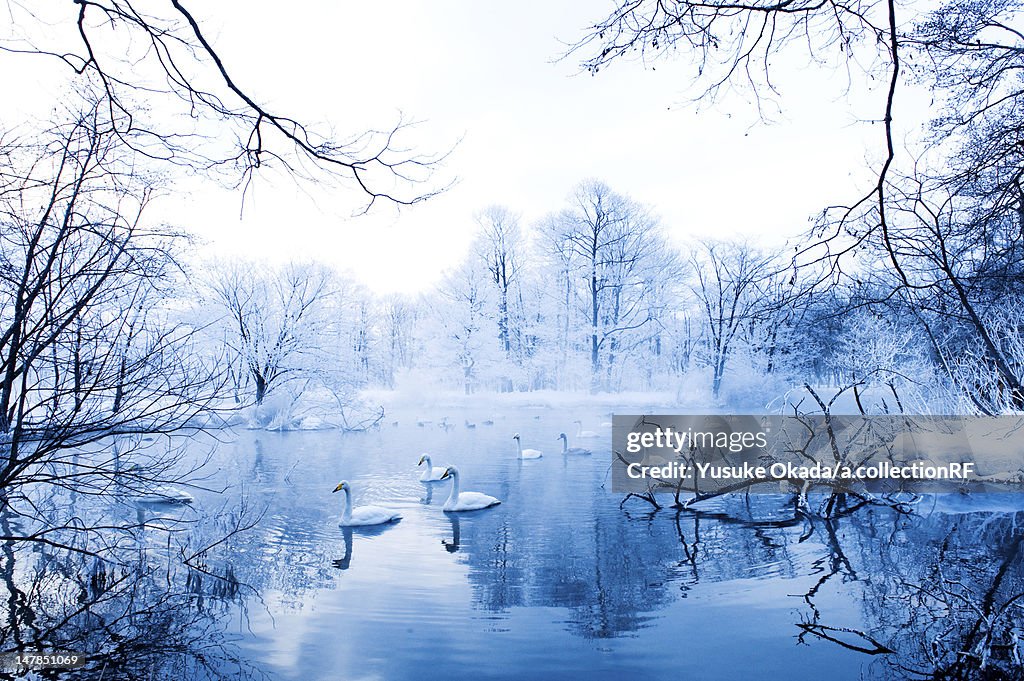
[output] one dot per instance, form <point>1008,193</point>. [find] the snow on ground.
<point>315,409</point>
<point>548,399</point>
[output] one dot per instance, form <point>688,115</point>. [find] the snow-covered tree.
<point>728,284</point>
<point>275,320</point>
<point>499,247</point>
<point>464,328</point>
<point>617,269</point>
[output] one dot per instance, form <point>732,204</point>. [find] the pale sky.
<point>530,128</point>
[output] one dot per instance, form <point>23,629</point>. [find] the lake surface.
<point>558,580</point>
<point>561,579</point>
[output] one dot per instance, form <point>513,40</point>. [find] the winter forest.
<point>593,298</point>
<point>173,416</point>
<point>596,298</point>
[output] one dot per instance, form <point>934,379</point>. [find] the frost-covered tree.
<point>399,322</point>
<point>500,248</point>
<point>276,320</point>
<point>615,263</point>
<point>941,220</point>
<point>728,284</point>
<point>92,353</point>
<point>875,350</point>
<point>499,245</point>
<point>559,333</point>
<point>464,328</point>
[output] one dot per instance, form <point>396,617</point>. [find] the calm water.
<point>556,581</point>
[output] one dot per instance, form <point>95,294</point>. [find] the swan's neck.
<point>347,515</point>
<point>454,496</point>
<point>579,429</point>
<point>565,444</point>
<point>428,463</point>
<point>519,446</point>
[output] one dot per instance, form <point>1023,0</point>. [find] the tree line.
<point>597,297</point>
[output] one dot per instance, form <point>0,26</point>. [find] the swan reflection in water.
<point>347,534</point>
<point>453,545</point>
<point>346,560</point>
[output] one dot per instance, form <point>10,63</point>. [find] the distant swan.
<point>566,449</point>
<point>526,453</point>
<point>158,494</point>
<point>432,473</point>
<point>584,433</point>
<point>163,494</point>
<point>465,501</point>
<point>363,515</point>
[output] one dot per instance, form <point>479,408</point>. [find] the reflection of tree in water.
<point>289,558</point>
<point>285,551</point>
<point>620,577</point>
<point>531,554</point>
<point>135,615</point>
<point>940,595</point>
<point>614,571</point>
<point>717,545</point>
<point>934,597</point>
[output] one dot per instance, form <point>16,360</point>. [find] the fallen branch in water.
<point>825,632</point>
<point>646,496</point>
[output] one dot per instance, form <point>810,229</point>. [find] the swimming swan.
<point>566,449</point>
<point>158,494</point>
<point>465,501</point>
<point>433,473</point>
<point>363,515</point>
<point>163,494</point>
<point>584,433</point>
<point>526,453</point>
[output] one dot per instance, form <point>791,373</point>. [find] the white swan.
<point>363,515</point>
<point>526,453</point>
<point>584,433</point>
<point>163,494</point>
<point>158,494</point>
<point>566,449</point>
<point>432,473</point>
<point>465,501</point>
